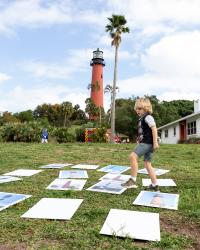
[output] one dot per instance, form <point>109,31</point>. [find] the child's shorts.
<point>144,149</point>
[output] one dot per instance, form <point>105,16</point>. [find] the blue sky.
<point>46,47</point>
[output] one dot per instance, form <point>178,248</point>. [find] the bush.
<point>62,135</point>
<point>191,140</point>
<point>22,132</point>
<point>100,135</point>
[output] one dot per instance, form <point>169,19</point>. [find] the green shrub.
<point>62,135</point>
<point>21,132</point>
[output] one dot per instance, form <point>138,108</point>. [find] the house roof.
<point>179,120</point>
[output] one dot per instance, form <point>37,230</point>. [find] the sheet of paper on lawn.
<point>9,199</point>
<point>53,208</point>
<point>115,177</point>
<point>114,169</point>
<point>23,172</point>
<point>73,174</point>
<point>133,224</point>
<point>160,182</point>
<point>108,186</point>
<point>158,171</point>
<point>85,166</point>
<point>5,178</point>
<point>67,184</point>
<point>56,165</point>
<point>157,199</point>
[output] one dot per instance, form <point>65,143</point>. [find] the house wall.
<point>197,127</point>
<point>171,139</point>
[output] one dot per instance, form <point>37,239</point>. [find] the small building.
<point>183,129</point>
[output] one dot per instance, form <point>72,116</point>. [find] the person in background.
<point>45,136</point>
<point>147,143</point>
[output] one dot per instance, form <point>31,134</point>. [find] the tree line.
<point>65,115</point>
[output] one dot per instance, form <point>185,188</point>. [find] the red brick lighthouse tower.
<point>97,64</point>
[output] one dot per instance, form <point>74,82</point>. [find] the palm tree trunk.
<point>113,97</point>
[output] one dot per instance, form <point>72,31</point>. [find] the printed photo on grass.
<point>9,199</point>
<point>160,182</point>
<point>158,171</point>
<point>108,186</point>
<point>4,179</point>
<point>56,165</point>
<point>85,166</point>
<point>157,199</point>
<point>67,184</point>
<point>114,169</point>
<point>23,172</point>
<point>53,209</point>
<point>132,224</point>
<point>115,177</point>
<point>73,174</point>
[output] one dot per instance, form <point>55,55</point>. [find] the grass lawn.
<point>179,229</point>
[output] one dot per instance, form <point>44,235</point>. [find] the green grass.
<point>178,228</point>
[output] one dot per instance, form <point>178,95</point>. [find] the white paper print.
<point>67,184</point>
<point>5,178</point>
<point>108,186</point>
<point>85,166</point>
<point>53,208</point>
<point>73,174</point>
<point>132,224</point>
<point>56,165</point>
<point>158,171</point>
<point>9,199</point>
<point>160,182</point>
<point>157,199</point>
<point>114,169</point>
<point>23,172</point>
<point>115,177</point>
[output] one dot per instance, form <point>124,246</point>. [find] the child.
<point>44,136</point>
<point>147,143</point>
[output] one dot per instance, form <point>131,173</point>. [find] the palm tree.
<point>115,28</point>
<point>109,89</point>
<point>94,86</point>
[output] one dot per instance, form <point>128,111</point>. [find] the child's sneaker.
<point>153,188</point>
<point>129,184</point>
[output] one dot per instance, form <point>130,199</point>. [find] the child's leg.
<point>151,172</point>
<point>131,183</point>
<point>134,165</point>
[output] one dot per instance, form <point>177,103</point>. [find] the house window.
<point>174,131</point>
<point>192,128</point>
<point>166,133</point>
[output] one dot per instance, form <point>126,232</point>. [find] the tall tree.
<point>67,109</point>
<point>109,90</point>
<point>115,28</point>
<point>91,109</point>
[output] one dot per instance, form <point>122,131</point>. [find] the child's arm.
<point>155,137</point>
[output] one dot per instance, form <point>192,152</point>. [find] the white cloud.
<point>33,13</point>
<point>143,12</point>
<point>4,77</point>
<point>109,54</point>
<point>31,97</point>
<point>176,55</point>
<point>171,69</point>
<point>78,61</point>
<point>168,96</point>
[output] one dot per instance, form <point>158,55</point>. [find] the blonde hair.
<point>143,103</point>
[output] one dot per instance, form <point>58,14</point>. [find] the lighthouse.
<point>97,63</point>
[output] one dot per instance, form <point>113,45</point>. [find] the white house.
<point>182,129</point>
